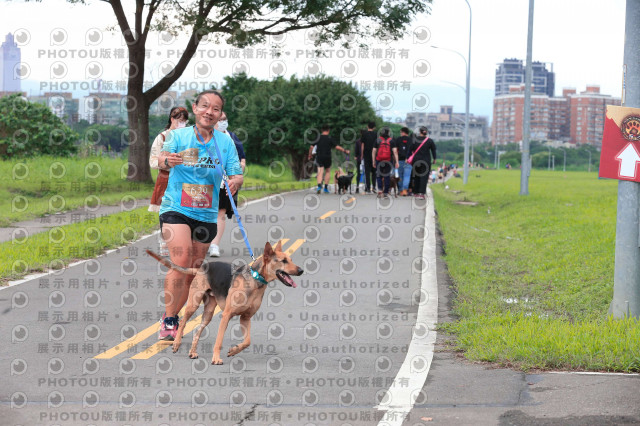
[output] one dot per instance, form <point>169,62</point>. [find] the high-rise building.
<point>573,118</point>
<point>508,111</point>
<point>588,110</point>
<point>9,63</point>
<point>511,72</point>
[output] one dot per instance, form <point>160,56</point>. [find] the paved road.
<point>351,345</point>
<point>327,351</point>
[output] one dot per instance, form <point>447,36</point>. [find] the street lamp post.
<point>549,161</point>
<point>564,165</point>
<point>589,161</point>
<point>466,124</point>
<point>467,63</point>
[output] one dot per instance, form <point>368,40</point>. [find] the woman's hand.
<point>172,159</point>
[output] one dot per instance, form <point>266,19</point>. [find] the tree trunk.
<point>301,167</point>
<point>138,113</point>
<point>139,147</point>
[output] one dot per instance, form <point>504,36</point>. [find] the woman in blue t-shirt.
<point>189,208</point>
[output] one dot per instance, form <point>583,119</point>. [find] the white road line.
<point>412,375</point>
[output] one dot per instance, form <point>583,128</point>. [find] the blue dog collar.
<point>258,277</point>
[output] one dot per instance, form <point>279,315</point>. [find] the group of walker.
<point>379,157</point>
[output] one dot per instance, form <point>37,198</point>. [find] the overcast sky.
<point>583,39</point>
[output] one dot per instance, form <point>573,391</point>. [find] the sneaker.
<point>214,251</point>
<point>357,190</point>
<point>318,191</point>
<point>326,191</point>
<point>168,328</point>
<point>380,194</point>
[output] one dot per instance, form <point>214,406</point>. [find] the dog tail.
<point>169,264</point>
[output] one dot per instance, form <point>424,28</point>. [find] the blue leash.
<point>223,173</point>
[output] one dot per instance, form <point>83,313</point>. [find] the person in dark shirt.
<point>424,156</point>
<point>385,159</point>
<point>369,139</point>
<point>324,145</point>
<point>359,164</point>
<point>403,144</point>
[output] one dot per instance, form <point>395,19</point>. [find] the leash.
<point>225,178</point>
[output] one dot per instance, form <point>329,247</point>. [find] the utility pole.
<point>525,168</point>
<point>465,177</point>
<point>626,280</point>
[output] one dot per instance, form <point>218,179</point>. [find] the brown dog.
<point>237,293</point>
<point>393,184</point>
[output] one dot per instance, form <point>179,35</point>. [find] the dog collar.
<point>258,277</point>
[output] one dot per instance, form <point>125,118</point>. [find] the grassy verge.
<point>33,187</point>
<point>534,274</point>
<point>66,244</point>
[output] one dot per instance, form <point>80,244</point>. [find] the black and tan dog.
<point>237,292</point>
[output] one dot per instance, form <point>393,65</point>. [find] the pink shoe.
<point>168,328</point>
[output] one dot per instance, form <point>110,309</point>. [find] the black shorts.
<point>224,202</point>
<point>323,162</point>
<point>203,232</point>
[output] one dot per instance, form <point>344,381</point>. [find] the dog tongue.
<point>290,281</point>
<point>285,278</point>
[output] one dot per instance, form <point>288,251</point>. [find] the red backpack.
<point>384,150</point>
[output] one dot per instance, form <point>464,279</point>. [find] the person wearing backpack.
<point>385,157</point>
<point>369,139</point>
<point>424,154</point>
<point>403,144</point>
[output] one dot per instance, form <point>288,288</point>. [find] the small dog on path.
<point>343,181</point>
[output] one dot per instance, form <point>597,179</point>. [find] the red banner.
<point>620,154</point>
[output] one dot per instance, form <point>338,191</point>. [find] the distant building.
<point>9,63</point>
<point>511,72</point>
<point>573,118</point>
<point>104,108</point>
<point>508,111</point>
<point>61,104</point>
<point>588,110</point>
<point>447,125</point>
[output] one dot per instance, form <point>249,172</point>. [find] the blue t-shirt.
<point>193,186</point>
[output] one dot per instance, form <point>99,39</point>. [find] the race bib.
<point>197,196</point>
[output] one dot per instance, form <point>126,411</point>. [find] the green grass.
<point>33,187</point>
<point>534,274</point>
<point>28,192</point>
<point>63,245</point>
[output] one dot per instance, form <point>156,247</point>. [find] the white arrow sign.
<point>628,159</point>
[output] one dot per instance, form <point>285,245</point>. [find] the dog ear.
<point>279,246</point>
<point>268,251</point>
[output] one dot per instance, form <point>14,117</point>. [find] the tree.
<point>241,23</point>
<point>278,120</point>
<point>28,129</point>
